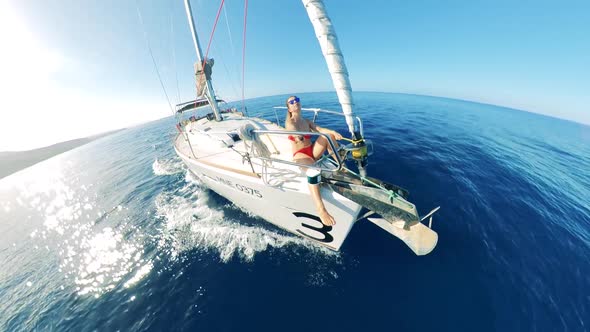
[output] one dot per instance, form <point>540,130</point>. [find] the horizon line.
<point>435,96</point>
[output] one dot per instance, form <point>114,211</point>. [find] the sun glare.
<point>26,67</point>
<point>37,110</point>
<point>24,58</point>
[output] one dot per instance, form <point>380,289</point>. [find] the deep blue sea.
<point>117,235</point>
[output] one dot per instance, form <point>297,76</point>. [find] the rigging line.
<point>152,55</point>
<point>233,48</point>
<point>174,52</point>
<point>213,32</point>
<point>245,157</point>
<point>352,140</point>
<point>231,42</point>
<point>244,55</point>
<point>229,76</point>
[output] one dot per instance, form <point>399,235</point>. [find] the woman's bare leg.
<point>321,145</point>
<point>314,190</point>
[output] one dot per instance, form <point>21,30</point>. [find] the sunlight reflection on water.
<point>92,256</point>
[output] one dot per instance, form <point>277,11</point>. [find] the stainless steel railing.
<point>317,111</point>
<point>339,161</point>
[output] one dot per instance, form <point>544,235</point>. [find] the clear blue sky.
<point>86,63</point>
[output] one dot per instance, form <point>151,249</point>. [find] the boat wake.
<point>167,166</point>
<point>192,223</point>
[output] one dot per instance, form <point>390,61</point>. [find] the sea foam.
<point>192,223</point>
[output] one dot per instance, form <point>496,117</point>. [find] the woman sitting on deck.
<point>306,152</point>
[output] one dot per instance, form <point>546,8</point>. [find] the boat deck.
<point>218,144</point>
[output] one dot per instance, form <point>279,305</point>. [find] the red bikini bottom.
<point>308,151</point>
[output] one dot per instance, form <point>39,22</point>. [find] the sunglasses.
<point>294,100</point>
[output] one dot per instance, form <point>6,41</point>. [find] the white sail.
<point>326,35</point>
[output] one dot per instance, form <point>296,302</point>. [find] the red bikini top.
<point>292,138</point>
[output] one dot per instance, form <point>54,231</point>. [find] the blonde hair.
<point>289,116</point>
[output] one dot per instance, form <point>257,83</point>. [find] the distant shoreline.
<point>14,161</point>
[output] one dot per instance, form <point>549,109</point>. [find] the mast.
<point>210,93</point>
<point>326,35</point>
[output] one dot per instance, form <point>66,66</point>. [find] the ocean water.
<point>117,235</point>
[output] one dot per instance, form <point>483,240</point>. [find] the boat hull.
<point>286,204</point>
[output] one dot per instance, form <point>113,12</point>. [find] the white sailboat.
<point>248,160</point>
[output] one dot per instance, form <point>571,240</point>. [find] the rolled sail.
<point>326,35</point>
<point>202,75</point>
